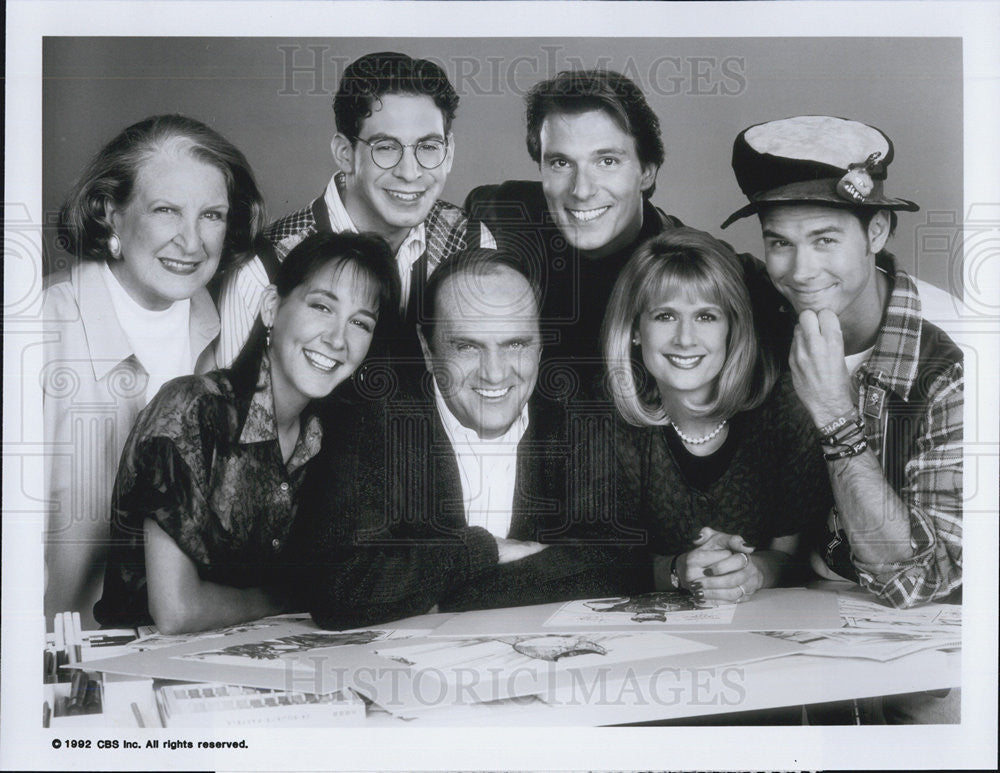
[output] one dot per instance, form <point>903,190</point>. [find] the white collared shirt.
<point>409,251</point>
<point>487,469</point>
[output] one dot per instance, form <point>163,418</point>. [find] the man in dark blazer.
<point>598,148</point>
<point>472,489</point>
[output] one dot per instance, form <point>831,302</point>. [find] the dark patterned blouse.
<point>768,481</point>
<point>203,460</point>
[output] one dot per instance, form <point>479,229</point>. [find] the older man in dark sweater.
<point>473,489</point>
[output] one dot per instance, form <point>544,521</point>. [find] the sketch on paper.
<point>283,648</point>
<point>875,632</point>
<point>537,653</point>
<point>667,607</point>
<point>868,644</point>
<point>151,639</point>
<point>859,612</point>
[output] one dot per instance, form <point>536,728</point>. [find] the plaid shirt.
<point>932,475</point>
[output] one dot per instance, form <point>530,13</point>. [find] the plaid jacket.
<point>446,232</point>
<point>916,372</point>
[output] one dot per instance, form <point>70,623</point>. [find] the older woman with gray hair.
<point>152,218</point>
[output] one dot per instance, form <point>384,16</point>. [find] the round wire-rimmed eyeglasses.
<point>387,152</point>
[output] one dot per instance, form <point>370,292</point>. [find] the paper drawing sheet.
<point>534,652</point>
<point>776,608</point>
<point>672,608</point>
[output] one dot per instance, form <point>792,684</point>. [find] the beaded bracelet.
<point>847,440</point>
<point>847,451</point>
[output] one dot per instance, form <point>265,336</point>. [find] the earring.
<point>115,246</point>
<point>267,337</point>
<point>635,341</point>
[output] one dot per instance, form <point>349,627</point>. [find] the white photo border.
<point>25,745</point>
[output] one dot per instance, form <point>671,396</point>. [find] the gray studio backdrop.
<point>272,98</point>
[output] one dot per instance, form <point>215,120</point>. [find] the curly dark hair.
<point>366,254</point>
<point>110,177</point>
<point>374,75</point>
<point>577,91</point>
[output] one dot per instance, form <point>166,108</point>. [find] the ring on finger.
<point>746,560</point>
<point>742,592</point>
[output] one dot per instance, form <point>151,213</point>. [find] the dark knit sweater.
<point>382,534</point>
<point>775,485</point>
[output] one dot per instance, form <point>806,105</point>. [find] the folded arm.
<point>180,601</point>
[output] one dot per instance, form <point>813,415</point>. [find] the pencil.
<point>57,626</point>
<point>100,640</point>
<point>46,714</point>
<point>77,636</point>
<point>49,666</point>
<point>67,627</point>
<point>75,703</point>
<point>138,715</point>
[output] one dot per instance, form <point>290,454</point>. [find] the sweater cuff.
<point>481,549</point>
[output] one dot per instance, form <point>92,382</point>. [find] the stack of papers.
<point>875,632</point>
<point>582,653</point>
<point>221,705</point>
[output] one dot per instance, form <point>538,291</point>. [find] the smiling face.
<point>593,180</point>
<point>391,201</point>
<point>172,229</point>
<point>683,341</point>
<point>485,348</point>
<point>822,258</point>
<point>320,333</point>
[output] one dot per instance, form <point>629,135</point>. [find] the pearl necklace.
<point>697,441</point>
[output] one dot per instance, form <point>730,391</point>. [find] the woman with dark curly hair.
<point>151,219</point>
<point>208,484</point>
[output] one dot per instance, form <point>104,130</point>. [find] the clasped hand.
<point>720,568</point>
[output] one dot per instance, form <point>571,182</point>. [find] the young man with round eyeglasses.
<point>393,149</point>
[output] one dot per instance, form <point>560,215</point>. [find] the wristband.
<point>840,421</point>
<point>851,427</point>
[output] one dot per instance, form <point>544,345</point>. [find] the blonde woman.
<point>716,456</point>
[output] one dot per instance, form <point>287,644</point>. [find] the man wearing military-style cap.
<point>883,386</point>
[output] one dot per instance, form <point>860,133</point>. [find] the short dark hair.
<point>368,79</point>
<point>366,253</point>
<point>577,91</point>
<point>865,215</point>
<point>477,262</point>
<point>110,178</point>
